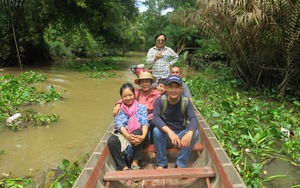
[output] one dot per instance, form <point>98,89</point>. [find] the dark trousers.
<point>151,127</point>
<point>114,146</point>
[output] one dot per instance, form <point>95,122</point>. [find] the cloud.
<point>140,6</point>
<point>163,12</point>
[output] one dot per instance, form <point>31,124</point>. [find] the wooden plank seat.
<point>151,148</point>
<point>171,173</point>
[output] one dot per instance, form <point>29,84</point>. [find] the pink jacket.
<point>147,100</point>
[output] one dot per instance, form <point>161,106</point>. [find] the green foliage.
<point>15,182</point>
<point>80,27</point>
<point>102,64</point>
<point>209,47</point>
<point>247,124</point>
<point>152,22</point>
<point>78,41</point>
<point>291,147</point>
<point>262,44</point>
<point>39,119</point>
<point>18,92</point>
<point>68,178</point>
<point>101,74</point>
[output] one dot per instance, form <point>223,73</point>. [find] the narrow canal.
<point>86,112</point>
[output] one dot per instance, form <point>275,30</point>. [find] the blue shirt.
<point>122,119</point>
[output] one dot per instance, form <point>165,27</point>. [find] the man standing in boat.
<point>161,57</point>
<point>171,126</point>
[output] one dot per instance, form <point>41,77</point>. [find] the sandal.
<point>176,166</point>
<point>135,167</point>
<point>161,167</point>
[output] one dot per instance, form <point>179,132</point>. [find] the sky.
<point>143,8</point>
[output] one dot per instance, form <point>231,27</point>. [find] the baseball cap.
<point>174,78</point>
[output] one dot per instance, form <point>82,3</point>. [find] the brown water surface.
<point>86,112</point>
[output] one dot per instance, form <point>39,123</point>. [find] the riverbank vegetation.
<point>249,124</point>
<point>248,105</point>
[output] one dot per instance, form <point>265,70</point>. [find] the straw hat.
<point>144,75</point>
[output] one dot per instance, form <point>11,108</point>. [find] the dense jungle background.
<point>260,38</point>
<point>258,43</point>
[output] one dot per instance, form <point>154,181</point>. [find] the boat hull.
<point>211,156</point>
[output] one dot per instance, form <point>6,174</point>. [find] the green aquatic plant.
<point>69,175</point>
<point>101,64</point>
<point>248,125</point>
<point>101,74</point>
<point>15,182</point>
<point>19,92</point>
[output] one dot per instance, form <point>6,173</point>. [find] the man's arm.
<point>175,56</point>
<point>157,120</point>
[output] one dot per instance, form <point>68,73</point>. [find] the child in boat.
<point>161,86</point>
<point>125,144</point>
<point>170,127</point>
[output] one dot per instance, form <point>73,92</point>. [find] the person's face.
<point>175,71</point>
<point>145,84</point>
<point>127,97</point>
<point>161,88</point>
<point>174,90</point>
<point>160,41</point>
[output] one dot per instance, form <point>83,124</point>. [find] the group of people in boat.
<point>159,112</point>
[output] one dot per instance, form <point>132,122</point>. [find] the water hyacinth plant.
<point>18,92</point>
<point>247,123</point>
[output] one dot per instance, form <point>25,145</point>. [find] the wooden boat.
<point>209,166</point>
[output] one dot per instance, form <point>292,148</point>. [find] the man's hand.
<point>158,56</point>
<point>174,138</point>
<point>186,139</point>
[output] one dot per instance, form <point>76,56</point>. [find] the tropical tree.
<point>152,22</point>
<point>261,38</point>
<point>106,22</point>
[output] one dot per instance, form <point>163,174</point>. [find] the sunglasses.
<point>162,41</point>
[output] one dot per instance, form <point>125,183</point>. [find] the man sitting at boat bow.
<point>170,128</point>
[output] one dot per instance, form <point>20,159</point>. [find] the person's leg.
<point>160,142</point>
<point>137,150</point>
<point>114,146</point>
<point>184,154</point>
<point>150,132</point>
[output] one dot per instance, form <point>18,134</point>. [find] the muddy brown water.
<point>86,112</point>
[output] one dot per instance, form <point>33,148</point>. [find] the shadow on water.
<point>86,112</point>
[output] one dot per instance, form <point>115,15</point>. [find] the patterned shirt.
<point>160,68</point>
<point>122,119</point>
